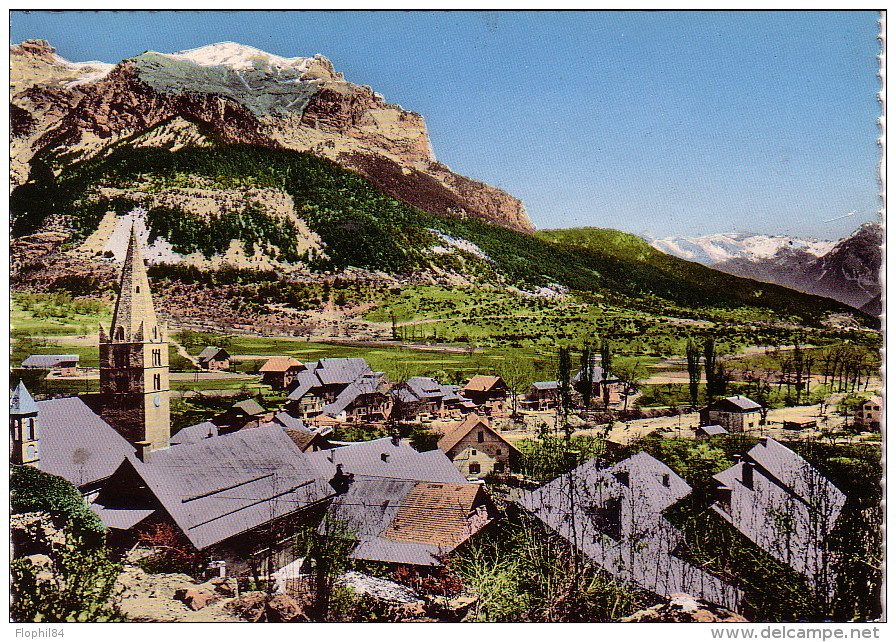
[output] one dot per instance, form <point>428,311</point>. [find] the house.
<point>214,359</point>
<point>306,439</point>
<point>542,395</point>
<point>785,506</point>
<point>422,396</point>
<point>228,496</point>
<point>195,433</point>
<point>869,412</point>
<point>365,399</point>
<point>243,414</point>
<point>605,388</point>
<point>280,372</point>
<point>401,506</point>
<point>734,414</point>
<point>476,449</point>
<point>320,384</point>
<point>65,437</point>
<point>489,393</point>
<point>66,364</point>
<point>615,516</point>
<point>705,432</point>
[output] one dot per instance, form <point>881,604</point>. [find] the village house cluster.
<point>238,485</point>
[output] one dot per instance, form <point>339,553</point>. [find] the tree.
<point>517,374</point>
<point>564,368</point>
<point>606,364</point>
<point>692,354</point>
<point>586,383</point>
<point>630,377</point>
<point>78,583</point>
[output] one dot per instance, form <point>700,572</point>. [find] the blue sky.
<point>660,123</point>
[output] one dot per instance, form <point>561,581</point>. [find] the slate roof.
<point>210,352</point>
<point>365,459</point>
<point>786,507</point>
<point>614,516</point>
<point>482,383</point>
<point>451,437</point>
<point>737,403</point>
<point>713,430</point>
<point>76,443</point>
<point>49,360</point>
<point>424,388</point>
<point>119,518</point>
<point>195,433</point>
<point>288,421</point>
<point>280,364</point>
<point>21,402</point>
<point>328,372</point>
<point>365,384</point>
<point>226,485</point>
<point>546,385</point>
<point>341,371</point>
<point>250,407</point>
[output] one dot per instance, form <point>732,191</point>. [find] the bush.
<point>32,490</point>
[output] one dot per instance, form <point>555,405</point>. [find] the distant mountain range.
<point>228,157</point>
<point>847,270</point>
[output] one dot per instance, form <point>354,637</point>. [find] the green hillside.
<point>366,228</point>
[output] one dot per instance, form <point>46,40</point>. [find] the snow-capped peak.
<point>716,248</point>
<point>238,57</point>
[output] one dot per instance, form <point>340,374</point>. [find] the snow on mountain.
<point>237,57</point>
<point>715,248</point>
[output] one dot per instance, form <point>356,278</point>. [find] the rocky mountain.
<point>847,270</point>
<point>63,113</point>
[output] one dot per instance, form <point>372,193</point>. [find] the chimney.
<point>723,494</point>
<point>332,456</point>
<point>396,439</point>
<point>384,456</point>
<point>746,474</point>
<point>341,481</point>
<point>142,450</point>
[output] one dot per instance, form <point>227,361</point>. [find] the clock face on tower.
<point>157,400</point>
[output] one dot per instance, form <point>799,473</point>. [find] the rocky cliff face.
<point>62,112</point>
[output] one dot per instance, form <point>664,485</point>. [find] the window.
<point>157,357</point>
<point>499,467</point>
<point>157,382</point>
<point>480,437</point>
<point>498,452</point>
<point>137,289</point>
<point>31,434</point>
<point>472,451</point>
<point>474,468</point>
<point>119,333</point>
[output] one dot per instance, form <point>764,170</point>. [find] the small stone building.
<point>869,412</point>
<point>476,449</point>
<point>214,359</point>
<point>734,414</point>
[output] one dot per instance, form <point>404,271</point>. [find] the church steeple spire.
<point>134,317</point>
<point>134,361</point>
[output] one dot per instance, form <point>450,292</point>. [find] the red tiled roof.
<point>481,383</point>
<point>280,364</point>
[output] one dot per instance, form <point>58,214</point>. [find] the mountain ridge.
<point>60,116</point>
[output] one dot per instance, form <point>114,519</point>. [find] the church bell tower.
<point>134,361</point>
<point>24,433</point>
